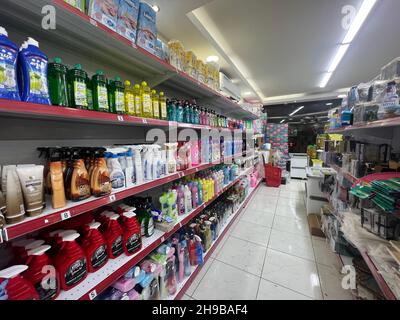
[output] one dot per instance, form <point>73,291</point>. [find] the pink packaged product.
<point>195,153</point>
<point>105,12</point>
<point>133,295</point>
<point>127,21</point>
<point>124,284</point>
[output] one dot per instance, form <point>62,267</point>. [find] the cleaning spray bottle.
<point>137,162</point>
<point>117,175</point>
<point>113,235</point>
<point>95,247</point>
<point>15,286</point>
<point>157,162</point>
<point>146,218</point>
<point>148,162</point>
<point>78,187</point>
<point>58,85</point>
<point>70,261</point>
<point>39,267</point>
<point>132,240</point>
<point>8,68</point>
<point>100,182</point>
<point>33,74</point>
<point>130,169</point>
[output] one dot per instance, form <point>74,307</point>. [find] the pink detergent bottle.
<point>195,195</point>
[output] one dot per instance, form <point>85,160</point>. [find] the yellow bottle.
<point>147,107</point>
<point>211,190</point>
<point>156,104</point>
<point>204,183</point>
<point>138,101</point>
<point>129,99</point>
<point>163,106</point>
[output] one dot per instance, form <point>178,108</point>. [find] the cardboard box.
<point>128,14</point>
<point>147,28</point>
<point>314,222</point>
<point>105,12</point>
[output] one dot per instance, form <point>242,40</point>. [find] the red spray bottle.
<point>42,274</point>
<point>16,287</point>
<point>112,234</point>
<point>132,241</point>
<point>95,247</point>
<point>70,261</point>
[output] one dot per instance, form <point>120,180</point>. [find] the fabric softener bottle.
<point>33,74</point>
<point>8,67</point>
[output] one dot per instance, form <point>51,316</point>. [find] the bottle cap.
<point>34,244</point>
<point>100,72</point>
<point>94,225</point>
<point>144,84</point>
<point>127,83</point>
<point>39,250</point>
<point>3,32</point>
<point>70,237</point>
<point>33,42</point>
<point>153,91</point>
<point>13,271</point>
<point>162,93</point>
<point>78,66</point>
<point>117,78</point>
<point>57,60</point>
<point>137,86</point>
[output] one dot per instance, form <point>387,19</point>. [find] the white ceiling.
<point>284,46</point>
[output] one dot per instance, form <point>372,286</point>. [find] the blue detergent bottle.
<point>32,68</point>
<point>8,68</point>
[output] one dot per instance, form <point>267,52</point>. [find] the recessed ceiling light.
<point>212,59</point>
<point>329,104</point>
<point>342,96</point>
<point>247,93</point>
<point>283,121</point>
<point>156,8</point>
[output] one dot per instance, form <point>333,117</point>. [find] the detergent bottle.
<point>179,111</point>
<point>95,247</point>
<point>58,85</point>
<point>156,104</point>
<point>117,175</point>
<point>33,65</point>
<point>171,110</point>
<point>116,96</point>
<point>8,68</point>
<point>163,106</point>
<point>130,169</point>
<point>15,286</point>
<point>129,99</point>
<point>39,264</point>
<point>77,87</point>
<point>188,199</point>
<point>180,201</point>
<point>147,107</point>
<point>195,195</point>
<point>113,235</point>
<point>78,187</point>
<point>89,90</point>
<point>200,191</point>
<point>132,240</point>
<point>100,182</point>
<point>137,163</point>
<point>148,162</point>
<point>172,204</point>
<point>138,101</point>
<point>100,93</point>
<point>70,261</point>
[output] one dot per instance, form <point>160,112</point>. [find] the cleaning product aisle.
<point>269,254</point>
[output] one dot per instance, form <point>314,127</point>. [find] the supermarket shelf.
<point>347,175</point>
<point>51,216</point>
<point>95,283</point>
<point>80,33</point>
<point>386,123</point>
<point>195,270</point>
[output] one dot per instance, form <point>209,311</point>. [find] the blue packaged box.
<point>147,28</point>
<point>105,12</point>
<point>128,13</point>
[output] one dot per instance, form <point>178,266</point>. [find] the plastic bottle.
<point>188,199</point>
<point>16,287</point>
<point>58,86</point>
<point>78,185</point>
<point>116,97</point>
<point>155,99</point>
<point>117,175</point>
<point>148,163</point>
<point>95,247</point>
<point>100,94</point>
<point>138,101</point>
<point>129,99</point>
<point>33,74</point>
<point>70,261</point>
<point>180,202</point>
<point>8,68</point>
<point>137,162</point>
<point>77,87</point>
<point>146,219</point>
<point>100,182</point>
<point>200,191</point>
<point>186,112</point>
<point>130,169</point>
<point>89,90</point>
<point>163,106</point>
<point>131,239</point>
<point>195,195</point>
<point>179,112</point>
<point>113,235</point>
<point>172,204</point>
<point>171,110</point>
<point>147,107</point>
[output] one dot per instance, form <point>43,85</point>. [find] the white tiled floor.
<point>269,254</point>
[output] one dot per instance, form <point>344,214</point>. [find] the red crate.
<point>273,176</point>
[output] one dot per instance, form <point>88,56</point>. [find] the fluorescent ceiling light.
<point>329,104</point>
<point>297,110</point>
<point>283,121</point>
<point>325,79</point>
<point>359,20</point>
<point>338,57</point>
<point>156,8</point>
<point>212,59</point>
<point>342,96</point>
<point>247,93</point>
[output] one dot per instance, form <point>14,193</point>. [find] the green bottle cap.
<point>144,84</point>
<point>57,60</point>
<point>117,78</point>
<point>100,72</point>
<point>78,66</point>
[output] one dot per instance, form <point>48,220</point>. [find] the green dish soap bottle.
<point>89,90</point>
<point>116,96</point>
<point>58,87</point>
<point>156,104</point>
<point>138,101</point>
<point>100,94</point>
<point>77,87</point>
<point>129,99</point>
<point>147,107</point>
<point>163,106</point>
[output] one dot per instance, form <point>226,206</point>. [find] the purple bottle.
<point>180,201</point>
<point>195,195</point>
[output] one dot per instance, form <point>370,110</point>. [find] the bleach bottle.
<point>33,73</point>
<point>8,67</point>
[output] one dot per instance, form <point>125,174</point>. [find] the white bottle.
<point>157,170</point>
<point>188,199</point>
<point>117,175</point>
<point>148,163</point>
<point>137,163</point>
<point>164,168</point>
<point>129,171</point>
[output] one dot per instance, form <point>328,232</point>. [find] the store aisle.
<point>269,254</point>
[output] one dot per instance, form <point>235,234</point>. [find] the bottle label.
<point>82,187</point>
<point>117,180</point>
<point>156,109</point>
<point>150,227</point>
<point>76,272</point>
<point>119,101</point>
<point>99,257</point>
<point>38,76</point>
<point>47,294</point>
<point>89,98</point>
<point>147,104</point>
<point>102,97</point>
<point>116,248</point>
<point>130,103</point>
<point>8,81</point>
<point>133,243</point>
<point>80,94</point>
<point>104,183</point>
<point>163,110</point>
<point>138,105</point>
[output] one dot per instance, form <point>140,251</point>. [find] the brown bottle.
<point>57,180</point>
<point>100,183</point>
<point>80,184</point>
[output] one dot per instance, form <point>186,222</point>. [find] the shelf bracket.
<point>156,81</point>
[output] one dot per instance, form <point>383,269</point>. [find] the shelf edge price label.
<point>162,239</point>
<point>144,121</point>
<point>112,198</point>
<point>120,118</point>
<point>93,22</point>
<point>134,45</point>
<point>93,294</point>
<point>180,224</point>
<point>64,215</point>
